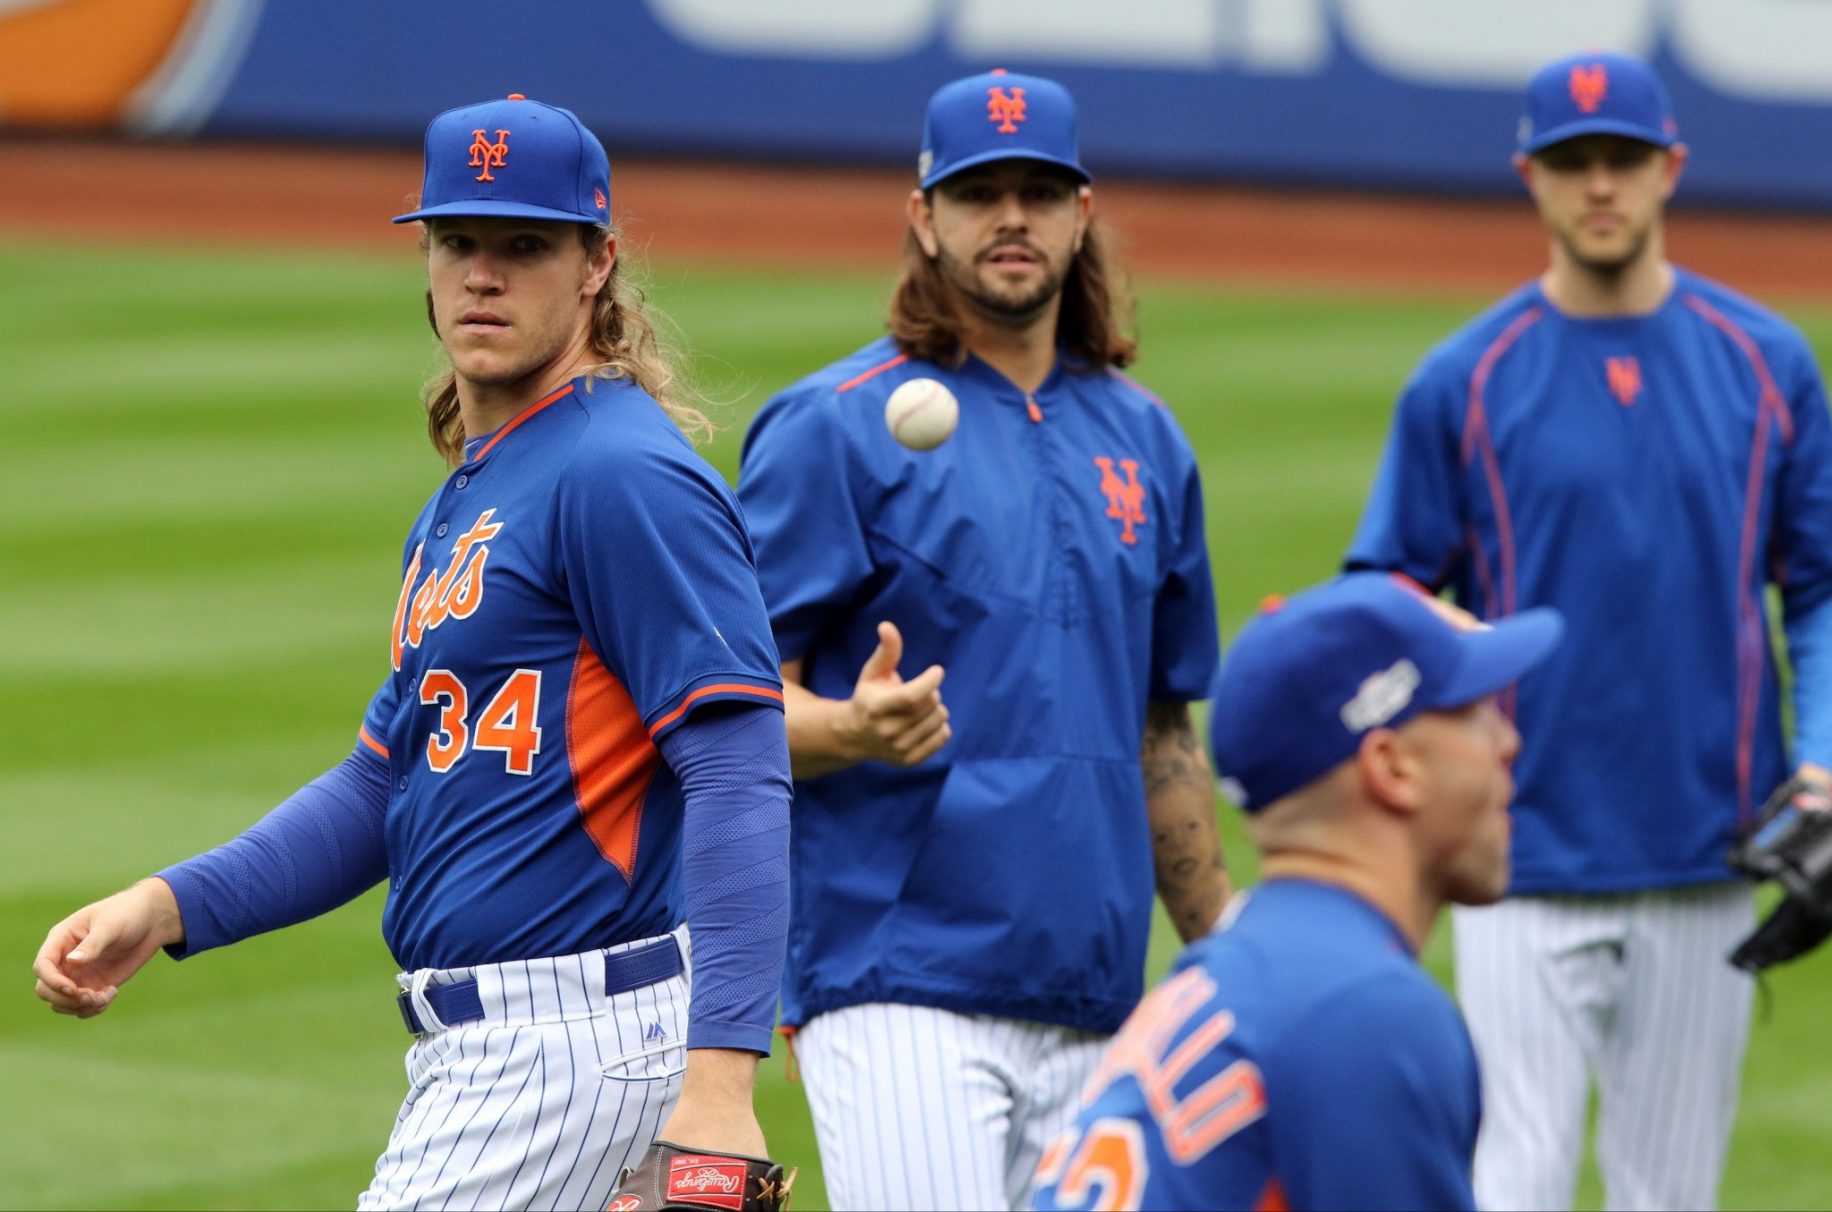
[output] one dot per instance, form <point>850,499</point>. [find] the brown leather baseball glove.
<point>670,1176</point>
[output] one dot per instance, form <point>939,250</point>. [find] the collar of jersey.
<point>1609,323</point>
<point>476,448</point>
<point>993,377</point>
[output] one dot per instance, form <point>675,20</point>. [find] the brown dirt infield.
<point>221,194</point>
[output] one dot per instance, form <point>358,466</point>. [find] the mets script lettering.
<point>456,595</point>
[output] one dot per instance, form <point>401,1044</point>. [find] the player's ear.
<point>1677,155</point>
<point>922,221</point>
<point>599,261</point>
<point>1084,213</point>
<point>1523,168</point>
<point>1392,774</point>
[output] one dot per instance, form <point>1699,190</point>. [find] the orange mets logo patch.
<point>456,595</point>
<point>1624,379</point>
<point>1007,109</point>
<point>1589,85</point>
<point>1125,495</point>
<point>487,155</point>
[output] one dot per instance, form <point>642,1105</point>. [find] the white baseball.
<point>922,413</point>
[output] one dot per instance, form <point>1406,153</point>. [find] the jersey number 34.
<point>507,724</point>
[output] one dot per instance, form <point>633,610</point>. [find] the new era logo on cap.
<point>1596,93</point>
<point>514,158</point>
<point>998,115</point>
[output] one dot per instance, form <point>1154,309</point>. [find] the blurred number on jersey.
<point>1111,1155</point>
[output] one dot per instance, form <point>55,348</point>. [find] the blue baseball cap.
<point>998,115</point>
<point>1309,677</point>
<point>516,158</point>
<point>1602,93</point>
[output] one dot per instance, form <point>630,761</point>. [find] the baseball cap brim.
<point>506,210</point>
<point>992,157</point>
<point>1597,126</point>
<point>1498,656</point>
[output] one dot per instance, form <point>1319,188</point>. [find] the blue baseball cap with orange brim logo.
<point>514,158</point>
<point>999,115</point>
<point>1310,676</point>
<point>1598,93</point>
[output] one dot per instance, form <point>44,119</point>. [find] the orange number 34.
<point>507,723</point>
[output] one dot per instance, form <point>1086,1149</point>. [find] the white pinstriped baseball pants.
<point>916,1107</point>
<point>542,1102</point>
<point>1632,990</point>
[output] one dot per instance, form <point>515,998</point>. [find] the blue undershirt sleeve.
<point>733,762</point>
<point>322,847</point>
<point>1809,649</point>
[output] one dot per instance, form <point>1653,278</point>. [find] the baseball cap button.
<point>517,97</point>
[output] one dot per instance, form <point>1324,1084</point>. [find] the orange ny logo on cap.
<point>487,155</point>
<point>1007,109</point>
<point>1589,85</point>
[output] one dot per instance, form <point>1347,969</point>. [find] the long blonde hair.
<point>1095,322</point>
<point>624,343</point>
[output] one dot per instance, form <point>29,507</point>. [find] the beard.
<point>1015,304</point>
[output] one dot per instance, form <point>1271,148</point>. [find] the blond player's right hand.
<point>895,721</point>
<point>89,955</point>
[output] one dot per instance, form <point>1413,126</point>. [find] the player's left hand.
<point>1792,845</point>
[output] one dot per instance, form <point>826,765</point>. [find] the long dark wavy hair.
<point>624,342</point>
<point>1095,323</point>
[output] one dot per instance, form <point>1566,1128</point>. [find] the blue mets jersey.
<point>1648,476</point>
<point>1298,1058</point>
<point>1051,556</point>
<point>575,588</point>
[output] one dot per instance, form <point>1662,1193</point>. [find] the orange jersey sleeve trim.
<point>521,416</point>
<point>875,371</point>
<point>362,734</point>
<point>774,696</point>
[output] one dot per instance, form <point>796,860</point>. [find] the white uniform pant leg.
<point>1537,981</point>
<point>916,1107</point>
<point>1674,1062</point>
<point>1062,1062</point>
<point>541,1104</point>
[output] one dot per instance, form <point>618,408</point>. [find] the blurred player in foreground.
<point>1300,1057</point>
<point>580,741</point>
<point>1646,451</point>
<point>973,881</point>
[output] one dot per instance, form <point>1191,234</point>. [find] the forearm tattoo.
<point>1180,804</point>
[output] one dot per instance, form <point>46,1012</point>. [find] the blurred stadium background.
<point>212,341</point>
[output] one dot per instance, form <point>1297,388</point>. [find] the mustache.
<point>1010,244</point>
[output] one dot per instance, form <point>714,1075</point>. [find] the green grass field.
<point>214,461</point>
